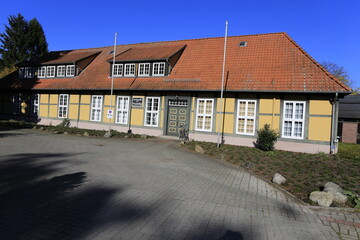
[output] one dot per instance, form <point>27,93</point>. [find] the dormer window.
<point>70,70</point>
<point>41,72</point>
<point>129,70</point>
<point>158,69</point>
<point>144,69</point>
<point>60,71</point>
<point>50,71</point>
<point>118,70</point>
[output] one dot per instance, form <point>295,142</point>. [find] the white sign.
<point>110,113</point>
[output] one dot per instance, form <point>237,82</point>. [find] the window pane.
<point>251,109</point>
<point>242,108</point>
<point>298,129</point>
<point>288,110</point>
<point>287,128</point>
<point>299,107</point>
<point>241,125</point>
<point>208,107</point>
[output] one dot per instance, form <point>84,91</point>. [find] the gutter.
<point>334,123</point>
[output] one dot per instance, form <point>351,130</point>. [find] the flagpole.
<point>112,80</point>
<point>219,137</point>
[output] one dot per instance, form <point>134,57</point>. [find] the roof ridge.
<point>316,63</point>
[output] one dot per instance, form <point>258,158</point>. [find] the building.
<point>162,86</point>
<point>349,119</point>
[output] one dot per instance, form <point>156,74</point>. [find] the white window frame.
<point>122,109</point>
<point>245,117</point>
<point>41,72</point>
<point>35,103</point>
<point>204,114</point>
<point>157,72</point>
<point>152,112</point>
<point>131,68</point>
<point>293,119</point>
<point>70,70</point>
<point>50,71</point>
<point>142,68</point>
<point>63,105</point>
<point>61,70</point>
<point>118,70</point>
<point>95,108</point>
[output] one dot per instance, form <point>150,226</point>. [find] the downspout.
<point>333,141</point>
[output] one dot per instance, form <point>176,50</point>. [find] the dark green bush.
<point>267,138</point>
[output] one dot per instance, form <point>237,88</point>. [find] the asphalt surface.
<point>68,187</point>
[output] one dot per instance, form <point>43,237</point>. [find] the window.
<point>293,119</point>
<point>158,69</point>
<point>70,70</point>
<point>130,69</point>
<point>26,72</point>
<point>16,103</point>
<point>246,113</point>
<point>41,72</point>
<point>50,71</point>
<point>204,114</point>
<point>152,111</point>
<point>34,104</point>
<point>122,110</point>
<point>63,105</point>
<point>118,70</point>
<point>144,69</point>
<point>96,108</point>
<point>61,71</point>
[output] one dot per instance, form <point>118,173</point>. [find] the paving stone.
<point>96,188</point>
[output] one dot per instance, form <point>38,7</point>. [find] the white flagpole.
<point>222,90</point>
<point>112,80</point>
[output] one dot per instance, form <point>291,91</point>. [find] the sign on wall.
<point>137,101</point>
<point>110,114</point>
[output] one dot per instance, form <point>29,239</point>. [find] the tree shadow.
<point>19,170</point>
<point>61,207</point>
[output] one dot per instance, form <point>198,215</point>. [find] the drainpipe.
<point>334,120</point>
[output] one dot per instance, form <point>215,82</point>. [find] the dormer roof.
<point>148,52</point>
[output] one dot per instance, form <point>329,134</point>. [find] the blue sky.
<point>327,29</point>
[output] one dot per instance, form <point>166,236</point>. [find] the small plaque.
<point>137,101</point>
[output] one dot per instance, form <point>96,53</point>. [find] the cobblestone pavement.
<point>345,222</point>
<point>67,187</point>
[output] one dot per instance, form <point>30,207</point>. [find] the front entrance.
<point>178,116</point>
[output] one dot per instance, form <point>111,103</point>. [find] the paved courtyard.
<point>68,187</point>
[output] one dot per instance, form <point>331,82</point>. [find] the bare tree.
<point>338,71</point>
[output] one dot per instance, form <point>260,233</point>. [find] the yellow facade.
<point>269,106</point>
<point>137,117</point>
<point>54,98</point>
<point>53,111</point>
<point>44,98</point>
<point>320,107</point>
<point>319,128</point>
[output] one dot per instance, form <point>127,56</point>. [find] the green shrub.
<point>266,138</point>
<point>65,123</point>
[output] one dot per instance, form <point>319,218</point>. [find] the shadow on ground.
<point>61,207</point>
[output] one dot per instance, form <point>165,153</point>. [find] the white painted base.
<point>239,141</point>
<point>280,145</point>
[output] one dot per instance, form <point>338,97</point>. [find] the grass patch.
<point>304,172</point>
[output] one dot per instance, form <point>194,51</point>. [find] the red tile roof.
<point>269,62</point>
